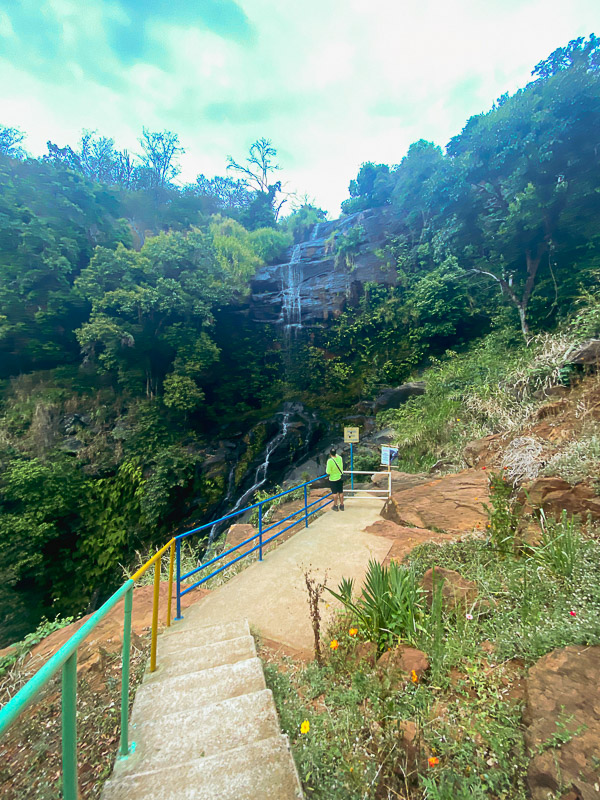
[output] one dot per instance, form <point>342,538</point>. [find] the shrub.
<point>390,606</point>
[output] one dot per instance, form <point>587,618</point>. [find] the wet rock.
<point>451,503</point>
<point>322,288</point>
<point>405,660</point>
<point>553,494</point>
<point>396,397</point>
<point>563,697</point>
<point>457,592</point>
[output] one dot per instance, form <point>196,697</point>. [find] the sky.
<point>332,83</point>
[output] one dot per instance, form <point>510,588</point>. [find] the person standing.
<point>335,470</point>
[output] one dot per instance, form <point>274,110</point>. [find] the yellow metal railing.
<point>156,560</point>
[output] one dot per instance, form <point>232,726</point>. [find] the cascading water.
<point>260,476</point>
<point>315,232</point>
<point>291,303</point>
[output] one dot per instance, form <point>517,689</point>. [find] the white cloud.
<point>332,83</point>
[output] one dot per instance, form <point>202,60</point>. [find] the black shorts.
<point>337,487</point>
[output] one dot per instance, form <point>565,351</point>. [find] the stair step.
<point>179,737</point>
<point>262,770</point>
<point>183,631</point>
<point>170,694</point>
<point>194,659</point>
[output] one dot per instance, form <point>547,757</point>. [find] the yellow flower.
<point>414,677</point>
<point>334,644</point>
<point>458,419</point>
<point>353,631</point>
<point>305,727</point>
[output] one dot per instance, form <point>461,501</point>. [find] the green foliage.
<point>390,606</point>
<point>270,244</point>
<point>559,548</point>
<point>502,513</point>
<point>302,220</point>
<point>20,649</point>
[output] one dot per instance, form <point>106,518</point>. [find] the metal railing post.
<point>178,562</point>
<point>155,601</point>
<point>389,484</point>
<point>69,727</point>
<point>305,507</point>
<point>124,748</point>
<point>170,593</point>
<point>260,552</point>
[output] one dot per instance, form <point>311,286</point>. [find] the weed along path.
<point>272,594</point>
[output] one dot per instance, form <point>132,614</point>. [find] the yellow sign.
<point>351,435</point>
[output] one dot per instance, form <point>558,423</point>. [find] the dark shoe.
<point>341,508</point>
<point>335,508</point>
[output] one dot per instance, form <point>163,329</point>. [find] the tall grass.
<point>560,546</point>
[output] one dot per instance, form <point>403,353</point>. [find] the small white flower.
<point>469,616</point>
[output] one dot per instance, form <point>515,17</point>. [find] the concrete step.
<point>262,770</point>
<point>194,659</point>
<point>179,737</point>
<point>196,689</point>
<point>196,634</point>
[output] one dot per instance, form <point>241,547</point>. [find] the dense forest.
<point>126,352</point>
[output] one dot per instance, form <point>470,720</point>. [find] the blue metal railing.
<point>304,510</point>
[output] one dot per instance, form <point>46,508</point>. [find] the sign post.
<point>350,437</point>
<point>388,456</point>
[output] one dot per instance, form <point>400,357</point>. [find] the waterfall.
<point>260,476</point>
<point>291,303</point>
<point>315,232</point>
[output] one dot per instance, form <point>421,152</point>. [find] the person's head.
<point>333,451</point>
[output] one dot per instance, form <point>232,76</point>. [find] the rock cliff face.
<point>308,288</point>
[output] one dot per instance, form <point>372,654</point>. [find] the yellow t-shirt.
<point>335,468</point>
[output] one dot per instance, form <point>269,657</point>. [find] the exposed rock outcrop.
<point>563,723</point>
<point>457,592</point>
<point>451,503</point>
<point>317,288</point>
<point>586,354</point>
<point>554,494</point>
<point>405,661</point>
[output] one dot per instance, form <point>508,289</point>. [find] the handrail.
<point>66,657</point>
<point>259,535</point>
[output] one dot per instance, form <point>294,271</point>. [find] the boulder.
<point>237,534</point>
<point>482,452</point>
<point>563,696</point>
<point>553,494</point>
<point>405,660</point>
<point>457,592</point>
<point>395,397</point>
<point>403,538</point>
<point>451,503</point>
<point>401,480</point>
<point>586,354</point>
<point>364,653</point>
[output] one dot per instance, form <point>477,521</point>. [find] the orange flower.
<point>305,727</point>
<point>334,644</point>
<point>353,631</point>
<point>414,677</point>
<point>433,761</point>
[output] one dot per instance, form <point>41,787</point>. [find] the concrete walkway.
<point>204,724</point>
<point>272,594</point>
